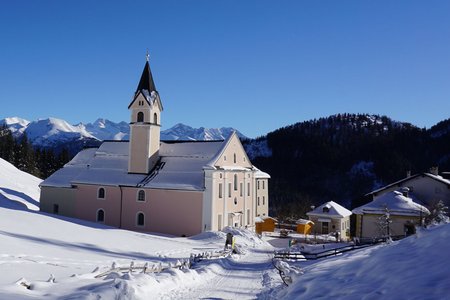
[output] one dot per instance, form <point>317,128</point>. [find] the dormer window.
<point>325,209</point>
<point>140,116</point>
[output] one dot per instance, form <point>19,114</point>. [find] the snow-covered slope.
<point>413,268</point>
<point>19,188</point>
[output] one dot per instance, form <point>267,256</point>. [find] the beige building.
<point>402,212</point>
<point>144,184</point>
<point>425,188</point>
<point>329,218</point>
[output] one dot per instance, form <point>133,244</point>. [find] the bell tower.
<point>145,124</point>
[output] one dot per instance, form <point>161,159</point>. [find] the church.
<point>180,188</point>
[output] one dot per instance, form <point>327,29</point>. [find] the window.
<point>101,193</point>
<point>140,116</point>
<point>258,201</point>
<point>248,216</point>
<point>325,209</point>
<point>140,219</point>
<point>229,190</point>
<point>234,157</point>
<point>241,189</point>
<point>101,216</point>
<point>264,200</point>
<point>235,201</point>
<point>155,118</point>
<point>258,184</point>
<point>248,188</point>
<point>264,184</point>
<point>141,195</point>
<point>235,182</point>
<point>219,222</point>
<point>220,190</point>
<point>55,208</point>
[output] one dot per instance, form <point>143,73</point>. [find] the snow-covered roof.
<point>395,202</point>
<point>261,174</point>
<point>334,210</point>
<point>303,221</point>
<point>181,166</point>
<point>263,218</point>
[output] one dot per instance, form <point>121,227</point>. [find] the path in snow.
<point>239,277</point>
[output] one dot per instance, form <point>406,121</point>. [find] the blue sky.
<point>252,65</point>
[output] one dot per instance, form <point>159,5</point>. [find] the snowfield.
<point>44,256</point>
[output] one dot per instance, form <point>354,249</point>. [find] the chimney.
<point>434,170</point>
<point>405,191</point>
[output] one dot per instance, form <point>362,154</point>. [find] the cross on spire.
<point>147,56</point>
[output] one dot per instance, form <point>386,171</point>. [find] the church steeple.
<point>145,122</point>
<point>146,82</point>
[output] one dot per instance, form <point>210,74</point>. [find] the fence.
<point>160,267</point>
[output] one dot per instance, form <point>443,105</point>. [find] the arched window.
<point>141,195</point>
<point>234,157</point>
<point>235,201</point>
<point>155,118</point>
<point>101,193</point>
<point>325,209</point>
<point>235,182</point>
<point>140,116</point>
<point>140,219</point>
<point>100,215</point>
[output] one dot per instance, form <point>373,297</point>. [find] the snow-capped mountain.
<point>51,131</point>
<point>54,133</point>
<point>16,125</point>
<point>184,132</point>
<point>104,129</point>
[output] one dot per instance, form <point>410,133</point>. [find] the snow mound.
<point>244,237</point>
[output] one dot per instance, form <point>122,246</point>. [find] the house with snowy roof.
<point>149,185</point>
<point>331,217</point>
<point>426,188</point>
<point>398,207</point>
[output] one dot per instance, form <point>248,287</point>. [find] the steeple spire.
<point>146,82</point>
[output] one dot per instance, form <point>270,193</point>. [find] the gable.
<point>139,98</point>
<point>149,100</point>
<point>232,155</point>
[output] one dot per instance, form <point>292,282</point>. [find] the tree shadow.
<point>81,246</point>
<point>21,195</point>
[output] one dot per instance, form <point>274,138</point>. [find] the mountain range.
<point>57,133</point>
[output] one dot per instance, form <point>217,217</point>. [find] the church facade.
<point>175,187</point>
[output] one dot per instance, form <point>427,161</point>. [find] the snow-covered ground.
<point>59,258</point>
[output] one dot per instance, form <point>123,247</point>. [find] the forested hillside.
<point>344,156</point>
<point>40,162</point>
